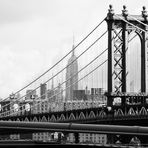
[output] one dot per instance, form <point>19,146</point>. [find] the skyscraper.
<point>43,90</point>
<point>30,94</point>
<point>71,76</point>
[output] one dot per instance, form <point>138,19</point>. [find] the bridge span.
<point>43,105</point>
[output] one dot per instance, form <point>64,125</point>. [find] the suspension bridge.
<point>102,80</point>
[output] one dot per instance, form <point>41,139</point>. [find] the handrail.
<point>21,127</point>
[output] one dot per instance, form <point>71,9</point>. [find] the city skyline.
<point>34,32</point>
<point>96,76</point>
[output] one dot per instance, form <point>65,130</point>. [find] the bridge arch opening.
<point>133,63</point>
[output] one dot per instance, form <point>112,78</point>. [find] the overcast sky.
<point>33,32</point>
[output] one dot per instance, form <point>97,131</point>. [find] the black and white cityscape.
<point>74,73</point>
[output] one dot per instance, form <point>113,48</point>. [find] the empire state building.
<point>71,76</point>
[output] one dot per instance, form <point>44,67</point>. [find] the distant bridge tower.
<point>118,35</point>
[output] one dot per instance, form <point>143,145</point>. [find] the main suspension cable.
<point>59,60</point>
<point>62,90</point>
<point>131,24</point>
<point>138,20</point>
<point>64,67</point>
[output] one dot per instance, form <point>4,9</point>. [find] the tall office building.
<point>30,94</point>
<point>43,90</point>
<point>71,76</point>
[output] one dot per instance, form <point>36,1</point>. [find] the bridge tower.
<point>118,38</point>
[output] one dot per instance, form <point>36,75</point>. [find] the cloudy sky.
<point>33,32</point>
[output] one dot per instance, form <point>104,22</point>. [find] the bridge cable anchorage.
<point>144,14</point>
<point>59,60</point>
<point>131,23</point>
<point>138,20</point>
<point>68,65</point>
<point>66,87</point>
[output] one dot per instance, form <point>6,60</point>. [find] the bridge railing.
<point>114,133</point>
